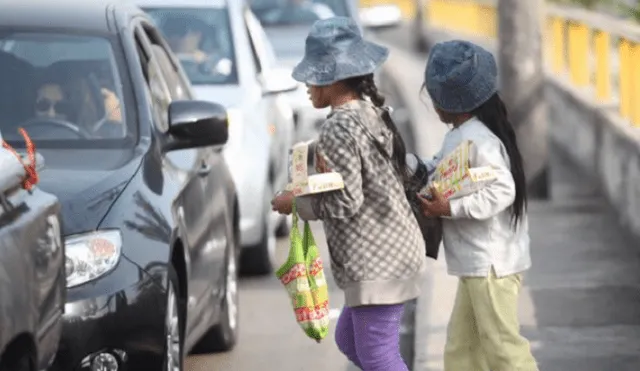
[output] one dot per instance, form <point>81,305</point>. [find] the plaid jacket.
<point>377,251</point>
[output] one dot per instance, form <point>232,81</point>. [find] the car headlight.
<point>91,255</point>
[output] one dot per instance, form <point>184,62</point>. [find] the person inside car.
<point>185,36</point>
<point>52,102</point>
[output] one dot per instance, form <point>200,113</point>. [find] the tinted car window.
<point>292,12</point>
<point>61,88</point>
<point>202,40</point>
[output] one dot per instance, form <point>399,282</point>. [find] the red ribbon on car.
<point>30,168</point>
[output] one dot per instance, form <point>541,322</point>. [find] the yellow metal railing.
<point>594,51</point>
<point>478,18</point>
<point>408,7</point>
<point>599,52</point>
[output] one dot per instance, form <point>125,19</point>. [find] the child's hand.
<point>283,202</point>
<point>321,164</point>
<point>437,206</point>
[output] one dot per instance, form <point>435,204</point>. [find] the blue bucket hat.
<point>335,50</point>
<point>460,76</point>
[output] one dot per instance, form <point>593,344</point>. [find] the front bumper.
<point>249,174</point>
<point>127,323</point>
<point>308,121</point>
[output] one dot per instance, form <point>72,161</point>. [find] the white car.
<point>229,59</point>
<point>287,26</point>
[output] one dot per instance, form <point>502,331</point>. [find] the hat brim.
<point>361,59</point>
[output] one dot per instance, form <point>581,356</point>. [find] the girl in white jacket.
<point>486,234</point>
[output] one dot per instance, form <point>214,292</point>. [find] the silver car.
<point>228,59</point>
<point>287,23</point>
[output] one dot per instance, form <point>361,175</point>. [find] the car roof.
<point>90,15</point>
<point>185,3</point>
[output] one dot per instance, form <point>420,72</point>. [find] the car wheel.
<point>260,258</point>
<point>172,328</point>
<point>24,362</point>
<point>284,227</point>
<point>223,336</point>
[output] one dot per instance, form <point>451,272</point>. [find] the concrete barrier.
<point>601,142</point>
<point>593,135</point>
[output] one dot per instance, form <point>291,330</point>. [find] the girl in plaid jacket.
<point>376,247</point>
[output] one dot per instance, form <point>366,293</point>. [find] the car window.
<point>156,85</point>
<point>295,12</point>
<point>202,40</point>
<point>177,84</point>
<point>61,87</point>
<point>176,89</point>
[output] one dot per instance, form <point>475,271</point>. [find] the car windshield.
<point>63,89</point>
<point>202,40</point>
<point>296,12</point>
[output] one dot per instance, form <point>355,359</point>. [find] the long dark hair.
<point>366,86</point>
<point>493,114</point>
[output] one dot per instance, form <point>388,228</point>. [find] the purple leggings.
<point>370,337</point>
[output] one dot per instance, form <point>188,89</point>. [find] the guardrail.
<point>593,51</point>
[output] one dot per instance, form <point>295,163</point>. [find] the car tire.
<point>284,227</point>
<point>258,260</point>
<point>224,336</point>
<point>174,327</point>
<point>25,362</point>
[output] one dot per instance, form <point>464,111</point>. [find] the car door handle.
<point>204,169</point>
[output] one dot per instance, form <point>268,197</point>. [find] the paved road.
<point>270,339</point>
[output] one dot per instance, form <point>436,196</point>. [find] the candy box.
<point>303,178</point>
<point>454,178</point>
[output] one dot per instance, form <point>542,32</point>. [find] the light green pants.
<point>484,332</point>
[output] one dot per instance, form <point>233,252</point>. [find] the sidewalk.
<point>580,305</point>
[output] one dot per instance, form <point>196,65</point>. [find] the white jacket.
<point>479,234</point>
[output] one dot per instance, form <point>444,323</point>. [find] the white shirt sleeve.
<point>496,196</point>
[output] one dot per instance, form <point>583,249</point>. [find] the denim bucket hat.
<point>460,76</point>
<point>335,50</point>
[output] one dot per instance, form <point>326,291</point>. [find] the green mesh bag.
<point>303,277</point>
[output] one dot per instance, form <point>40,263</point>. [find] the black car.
<point>149,210</point>
<point>32,272</point>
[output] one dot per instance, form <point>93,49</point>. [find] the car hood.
<point>227,95</point>
<point>85,195</point>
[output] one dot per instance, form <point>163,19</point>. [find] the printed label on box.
<point>301,182</point>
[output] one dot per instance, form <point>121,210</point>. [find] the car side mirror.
<point>381,16</point>
<point>278,81</point>
<point>194,123</point>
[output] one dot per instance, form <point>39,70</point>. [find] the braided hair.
<point>365,86</point>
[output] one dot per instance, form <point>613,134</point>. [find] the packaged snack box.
<point>455,178</point>
<point>302,176</point>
